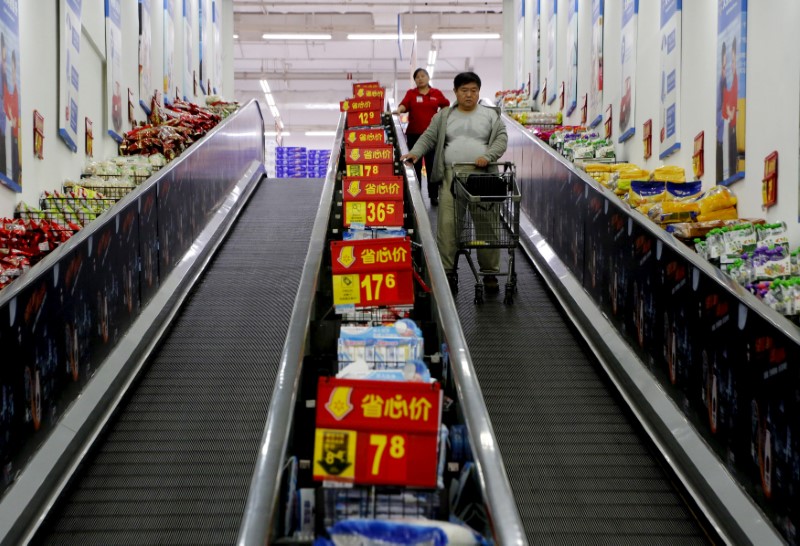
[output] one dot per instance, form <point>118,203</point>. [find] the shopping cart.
<point>487,217</point>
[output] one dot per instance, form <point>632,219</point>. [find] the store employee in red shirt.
<point>421,104</point>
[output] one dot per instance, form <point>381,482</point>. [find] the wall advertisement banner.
<point>535,44</point>
<point>69,72</point>
<point>146,88</point>
<point>552,27</point>
<point>628,37</point>
<point>206,60</point>
<point>596,80</point>
<point>731,78</point>
<point>10,131</point>
<point>189,11</point>
<point>571,99</point>
<point>114,69</point>
<point>217,87</point>
<point>670,77</point>
<point>170,83</point>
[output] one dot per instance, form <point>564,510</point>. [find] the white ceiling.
<point>303,73</point>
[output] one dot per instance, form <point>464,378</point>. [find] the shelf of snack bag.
<point>37,230</point>
<point>379,446</point>
<point>755,254</point>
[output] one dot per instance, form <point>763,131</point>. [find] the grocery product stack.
<point>291,162</point>
<point>318,163</point>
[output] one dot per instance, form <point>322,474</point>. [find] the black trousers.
<point>433,189</point>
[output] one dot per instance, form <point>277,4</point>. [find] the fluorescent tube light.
<point>379,36</point>
<point>275,133</point>
<point>328,106</point>
<point>295,36</point>
<point>472,36</point>
<point>265,86</point>
<point>235,36</point>
<point>432,57</point>
<point>320,133</point>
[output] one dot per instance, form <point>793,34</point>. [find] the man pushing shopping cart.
<point>468,139</point>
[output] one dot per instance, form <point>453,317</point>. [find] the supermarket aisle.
<point>176,464</point>
<point>581,470</point>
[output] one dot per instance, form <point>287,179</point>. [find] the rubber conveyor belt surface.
<point>580,469</point>
<point>175,464</point>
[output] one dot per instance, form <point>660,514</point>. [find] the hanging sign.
<point>647,138</point>
<point>69,77</point>
<point>670,84</point>
<point>769,184</point>
<point>629,37</point>
<point>377,432</point>
<point>89,138</point>
<point>572,58</point>
<point>114,69</point>
<point>372,272</point>
<point>145,45</point>
<point>608,123</point>
<point>357,87</point>
<point>361,105</point>
<point>10,124</point>
<point>170,15</point>
<point>698,160</point>
<point>189,12</point>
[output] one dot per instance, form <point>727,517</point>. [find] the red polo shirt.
<point>421,108</point>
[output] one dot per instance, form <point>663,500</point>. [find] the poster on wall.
<point>114,69</point>
<point>627,101</point>
<point>189,10</point>
<point>596,80</point>
<point>572,56</point>
<point>552,26</point>
<point>169,51</point>
<point>519,55</point>
<point>145,43</point>
<point>535,49</point>
<point>217,90</point>
<point>10,145</point>
<point>205,46</point>
<point>731,69</point>
<point>69,73</point>
<point>670,83</point>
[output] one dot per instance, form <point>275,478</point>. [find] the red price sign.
<point>364,85</point>
<point>377,432</point>
<point>361,105</point>
<point>377,170</point>
<point>372,189</point>
<point>360,119</point>
<point>369,93</point>
<point>373,154</point>
<point>374,213</point>
<point>365,137</point>
<point>372,272</point>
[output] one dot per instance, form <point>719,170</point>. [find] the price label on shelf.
<point>377,432</point>
<point>370,170</point>
<point>361,105</point>
<point>372,272</point>
<point>372,92</point>
<point>357,87</point>
<point>361,119</point>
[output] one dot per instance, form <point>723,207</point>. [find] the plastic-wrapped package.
<point>362,532</point>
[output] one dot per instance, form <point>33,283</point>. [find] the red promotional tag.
<point>374,154</point>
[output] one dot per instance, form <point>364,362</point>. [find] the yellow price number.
<point>372,284</point>
<point>377,212</point>
<point>365,117</point>
<point>397,449</point>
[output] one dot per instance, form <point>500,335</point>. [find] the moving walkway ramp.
<point>174,465</point>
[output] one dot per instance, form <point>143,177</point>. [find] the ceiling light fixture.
<point>471,36</point>
<point>235,36</point>
<point>322,106</point>
<point>295,36</point>
<point>320,133</point>
<point>275,133</point>
<point>379,36</point>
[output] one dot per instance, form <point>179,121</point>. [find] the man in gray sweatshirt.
<point>466,132</point>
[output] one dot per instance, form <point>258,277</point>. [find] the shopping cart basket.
<point>487,217</point>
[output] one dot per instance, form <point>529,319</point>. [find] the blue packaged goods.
<point>381,347</point>
<point>409,533</point>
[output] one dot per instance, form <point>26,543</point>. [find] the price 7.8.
<point>377,212</point>
<point>397,449</point>
<point>372,284</point>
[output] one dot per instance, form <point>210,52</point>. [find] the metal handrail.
<point>501,507</point>
<point>265,483</point>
